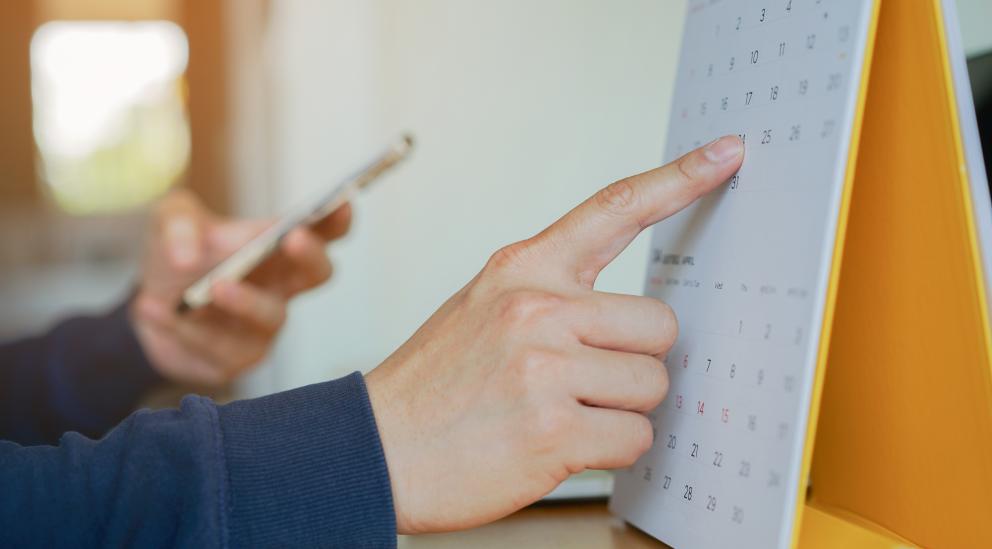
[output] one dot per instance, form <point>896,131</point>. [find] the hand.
<point>213,345</point>
<point>527,375</point>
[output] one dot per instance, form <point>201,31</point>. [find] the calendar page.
<point>747,268</point>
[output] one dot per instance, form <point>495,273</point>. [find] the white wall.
<point>976,24</point>
<point>521,109</point>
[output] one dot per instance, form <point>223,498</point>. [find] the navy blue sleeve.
<point>304,468</point>
<point>85,375</point>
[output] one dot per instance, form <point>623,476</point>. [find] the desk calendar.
<point>856,156</point>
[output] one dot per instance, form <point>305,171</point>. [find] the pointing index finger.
<point>590,236</point>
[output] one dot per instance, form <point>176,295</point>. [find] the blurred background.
<point>521,109</point>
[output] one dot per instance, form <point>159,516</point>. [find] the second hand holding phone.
<point>243,261</point>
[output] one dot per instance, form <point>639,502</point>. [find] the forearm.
<point>85,375</point>
<point>301,468</point>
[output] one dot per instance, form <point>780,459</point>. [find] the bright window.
<point>110,118</point>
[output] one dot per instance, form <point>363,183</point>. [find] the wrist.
<point>375,384</point>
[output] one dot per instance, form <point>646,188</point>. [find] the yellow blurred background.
<point>521,109</point>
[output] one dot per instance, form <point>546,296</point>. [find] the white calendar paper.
<point>747,268</point>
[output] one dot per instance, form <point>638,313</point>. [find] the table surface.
<point>577,525</point>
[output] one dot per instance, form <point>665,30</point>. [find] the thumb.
<point>590,236</point>
<point>181,218</point>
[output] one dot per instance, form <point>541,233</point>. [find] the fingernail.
<point>180,233</point>
<point>724,149</point>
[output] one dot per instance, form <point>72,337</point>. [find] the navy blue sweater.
<point>303,468</point>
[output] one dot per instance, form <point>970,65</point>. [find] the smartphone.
<point>243,261</point>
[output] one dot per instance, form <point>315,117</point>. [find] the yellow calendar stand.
<point>902,407</point>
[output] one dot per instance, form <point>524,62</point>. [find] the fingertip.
<point>706,168</point>
<point>335,225</point>
<point>726,150</point>
<point>643,437</point>
<point>343,214</point>
<point>664,383</point>
<point>300,242</point>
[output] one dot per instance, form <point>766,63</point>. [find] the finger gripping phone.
<point>243,261</point>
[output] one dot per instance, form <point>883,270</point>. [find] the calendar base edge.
<point>825,527</point>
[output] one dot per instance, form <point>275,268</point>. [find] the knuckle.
<point>228,375</point>
<point>683,170</point>
<point>571,467</point>
<point>475,292</point>
<point>252,355</point>
<point>536,369</point>
<point>176,199</point>
<point>213,379</point>
<point>184,269</point>
<point>524,308</point>
<point>507,257</point>
<point>618,198</point>
<point>549,425</point>
<point>235,370</point>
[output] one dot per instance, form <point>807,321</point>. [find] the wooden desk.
<point>578,525</point>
